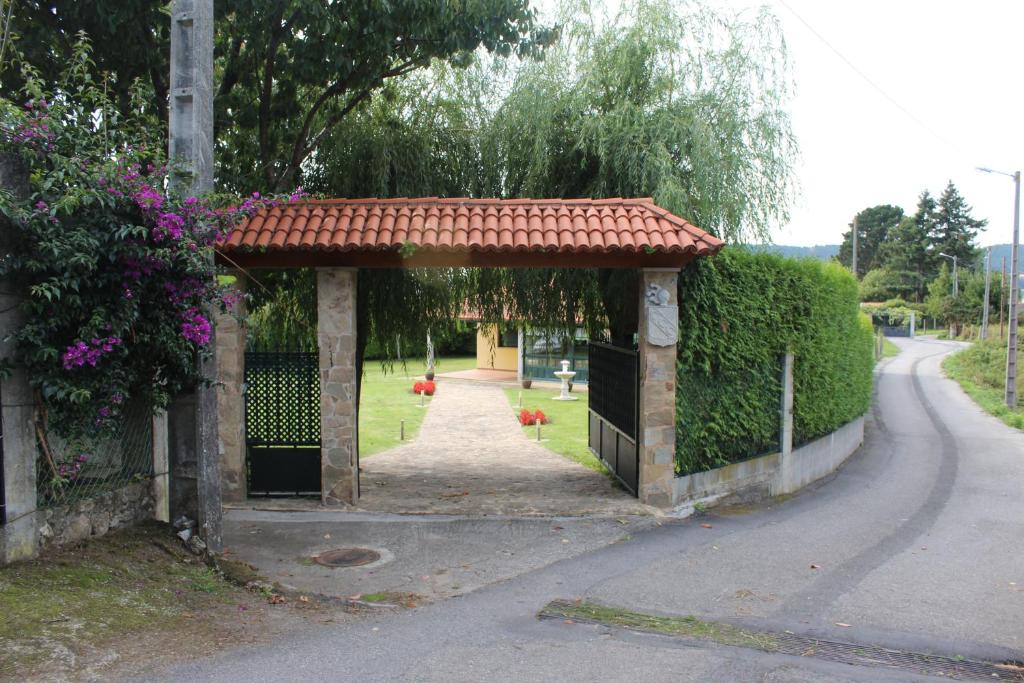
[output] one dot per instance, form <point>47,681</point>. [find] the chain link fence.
<point>74,469</point>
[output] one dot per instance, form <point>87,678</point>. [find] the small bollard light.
<point>401,432</point>
<point>538,430</point>
<point>423,398</point>
<point>520,399</point>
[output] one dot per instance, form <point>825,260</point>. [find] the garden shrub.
<point>117,271</point>
<point>739,313</point>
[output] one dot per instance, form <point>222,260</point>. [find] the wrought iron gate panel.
<point>282,422</point>
<point>613,396</point>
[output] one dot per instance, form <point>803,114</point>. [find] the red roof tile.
<point>575,226</point>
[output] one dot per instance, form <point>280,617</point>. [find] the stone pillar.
<point>336,338</point>
<point>230,401</point>
<point>659,332</point>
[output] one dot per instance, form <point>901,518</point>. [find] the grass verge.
<point>889,349</point>
<point>980,370</point>
<point>387,399</point>
<point>685,627</point>
<point>785,642</point>
<point>126,598</point>
<point>566,434</point>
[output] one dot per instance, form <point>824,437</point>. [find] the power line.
<point>892,100</point>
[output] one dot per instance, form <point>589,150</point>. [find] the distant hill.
<point>1001,250</point>
<point>823,252</point>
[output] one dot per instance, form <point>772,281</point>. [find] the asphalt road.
<point>915,543</point>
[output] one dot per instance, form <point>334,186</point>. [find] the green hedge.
<point>739,312</point>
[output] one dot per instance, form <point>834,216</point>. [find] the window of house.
<point>508,337</point>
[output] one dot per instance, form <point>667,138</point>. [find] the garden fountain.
<point>565,374</point>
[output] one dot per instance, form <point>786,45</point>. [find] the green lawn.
<point>387,399</point>
<point>567,432</point>
<point>980,370</point>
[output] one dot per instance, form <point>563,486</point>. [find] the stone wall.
<point>83,519</point>
<point>773,474</point>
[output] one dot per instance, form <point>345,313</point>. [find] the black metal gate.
<point>614,410</point>
<point>282,422</point>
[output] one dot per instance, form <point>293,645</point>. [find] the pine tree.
<point>905,255</point>
<point>954,229</point>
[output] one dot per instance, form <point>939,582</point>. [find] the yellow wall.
<point>503,358</point>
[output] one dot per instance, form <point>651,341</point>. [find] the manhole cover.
<point>347,557</point>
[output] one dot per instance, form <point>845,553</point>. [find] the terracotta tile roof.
<point>577,226</point>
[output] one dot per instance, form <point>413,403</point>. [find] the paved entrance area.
<point>472,458</point>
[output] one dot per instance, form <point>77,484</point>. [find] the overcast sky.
<point>950,63</point>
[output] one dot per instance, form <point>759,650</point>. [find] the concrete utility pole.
<point>988,279</point>
<point>191,155</point>
<point>853,260</point>
<point>19,530</point>
<point>1011,337</point>
<point>1002,297</point>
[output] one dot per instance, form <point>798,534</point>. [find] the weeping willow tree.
<point>674,101</point>
<point>670,100</point>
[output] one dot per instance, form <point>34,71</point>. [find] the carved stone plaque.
<point>662,325</point>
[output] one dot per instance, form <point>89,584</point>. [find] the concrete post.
<point>161,469</point>
<point>782,482</point>
<point>786,427</point>
<point>190,148</point>
<point>190,144</point>
<point>231,334</point>
<point>336,338</point>
<point>19,537</point>
<point>656,431</point>
<point>913,320</point>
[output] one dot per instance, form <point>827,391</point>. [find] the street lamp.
<point>1011,337</point>
<point>956,281</point>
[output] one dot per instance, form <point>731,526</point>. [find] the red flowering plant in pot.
<point>526,418</point>
<point>427,388</point>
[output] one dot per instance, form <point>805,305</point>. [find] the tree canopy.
<point>677,102</point>
<point>898,256</point>
<point>873,227</point>
<point>477,98</point>
<point>954,229</point>
<point>287,72</point>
